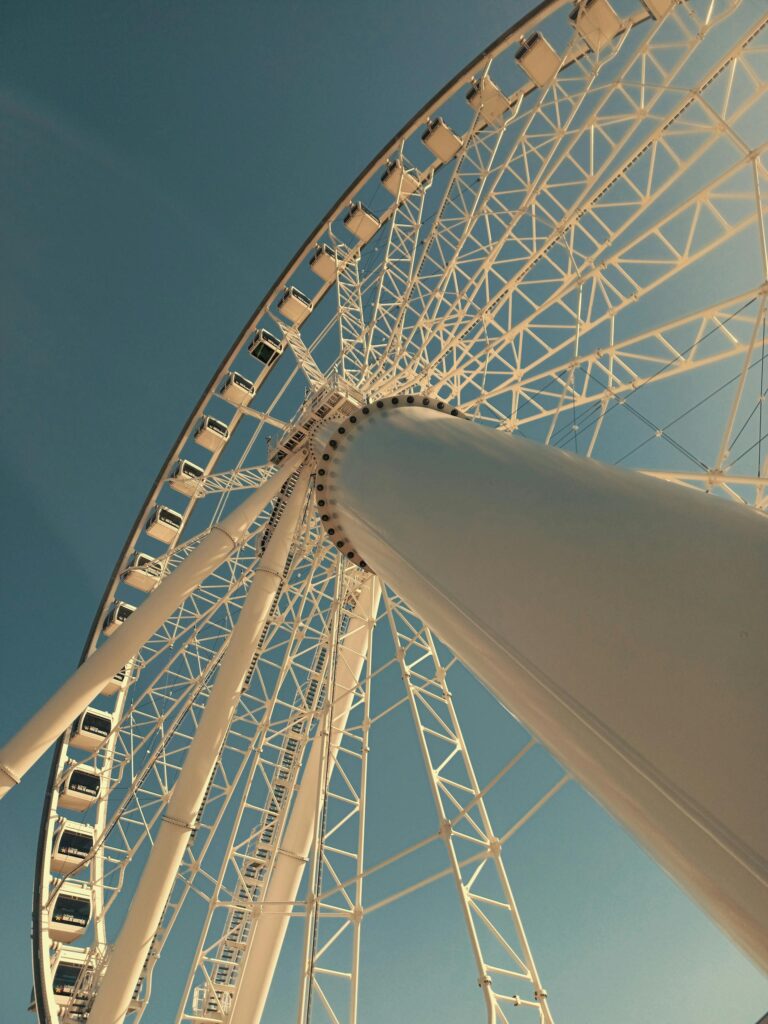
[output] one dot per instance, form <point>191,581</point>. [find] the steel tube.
<point>46,725</point>
<point>145,912</point>
<point>268,930</point>
<point>621,618</point>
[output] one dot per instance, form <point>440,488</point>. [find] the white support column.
<point>269,928</point>
<point>143,918</point>
<point>46,725</point>
<point>622,619</point>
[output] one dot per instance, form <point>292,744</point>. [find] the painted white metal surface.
<point>268,932</point>
<point>622,619</point>
<point>441,141</point>
<point>410,320</point>
<point>135,940</point>
<point>32,740</point>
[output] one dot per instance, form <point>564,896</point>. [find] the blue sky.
<point>158,164</point>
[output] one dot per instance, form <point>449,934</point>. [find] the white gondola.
<point>658,8</point>
<point>164,524</point>
<point>119,681</point>
<point>211,433</point>
<point>90,729</point>
<point>361,222</point>
<point>398,181</point>
<point>72,843</point>
<point>70,912</point>
<point>236,389</point>
<point>79,788</point>
<point>487,100</point>
<point>325,263</point>
<point>595,21</point>
<point>294,305</point>
<point>68,964</point>
<point>143,572</point>
<point>537,59</point>
<point>265,347</point>
<point>185,477</point>
<point>118,613</point>
<point>441,141</point>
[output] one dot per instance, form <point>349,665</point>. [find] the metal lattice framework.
<point>578,255</point>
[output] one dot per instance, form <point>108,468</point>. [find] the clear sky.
<point>159,163</point>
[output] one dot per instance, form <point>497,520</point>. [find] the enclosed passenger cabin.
<point>487,100</point>
<point>186,477</point>
<point>142,572</point>
<point>294,305</point>
<point>211,433</point>
<point>537,59</point>
<point>236,389</point>
<point>68,964</point>
<point>164,524</point>
<point>119,681</point>
<point>265,347</point>
<point>398,181</point>
<point>118,613</point>
<point>325,262</point>
<point>90,729</point>
<point>595,21</point>
<point>72,843</point>
<point>70,911</point>
<point>441,141</point>
<point>79,788</point>
<point>361,222</point>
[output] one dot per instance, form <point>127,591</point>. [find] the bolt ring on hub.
<point>325,462</point>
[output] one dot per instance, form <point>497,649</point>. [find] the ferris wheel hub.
<point>331,438</point>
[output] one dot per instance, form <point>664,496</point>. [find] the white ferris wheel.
<point>502,414</point>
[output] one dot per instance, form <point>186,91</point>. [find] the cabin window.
<point>65,979</point>
<point>75,844</point>
<point>95,723</point>
<point>72,910</point>
<point>84,782</point>
<point>264,353</point>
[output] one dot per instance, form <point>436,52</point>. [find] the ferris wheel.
<point>502,414</point>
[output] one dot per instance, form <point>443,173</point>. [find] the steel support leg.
<point>268,932</point>
<point>622,619</point>
<point>135,939</point>
<point>46,725</point>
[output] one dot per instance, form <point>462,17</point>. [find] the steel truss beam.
<point>500,947</point>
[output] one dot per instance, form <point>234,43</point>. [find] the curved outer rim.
<point>521,27</point>
<point>343,432</point>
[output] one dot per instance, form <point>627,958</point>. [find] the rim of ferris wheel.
<point>376,341</point>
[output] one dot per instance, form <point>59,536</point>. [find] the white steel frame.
<point>516,283</point>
